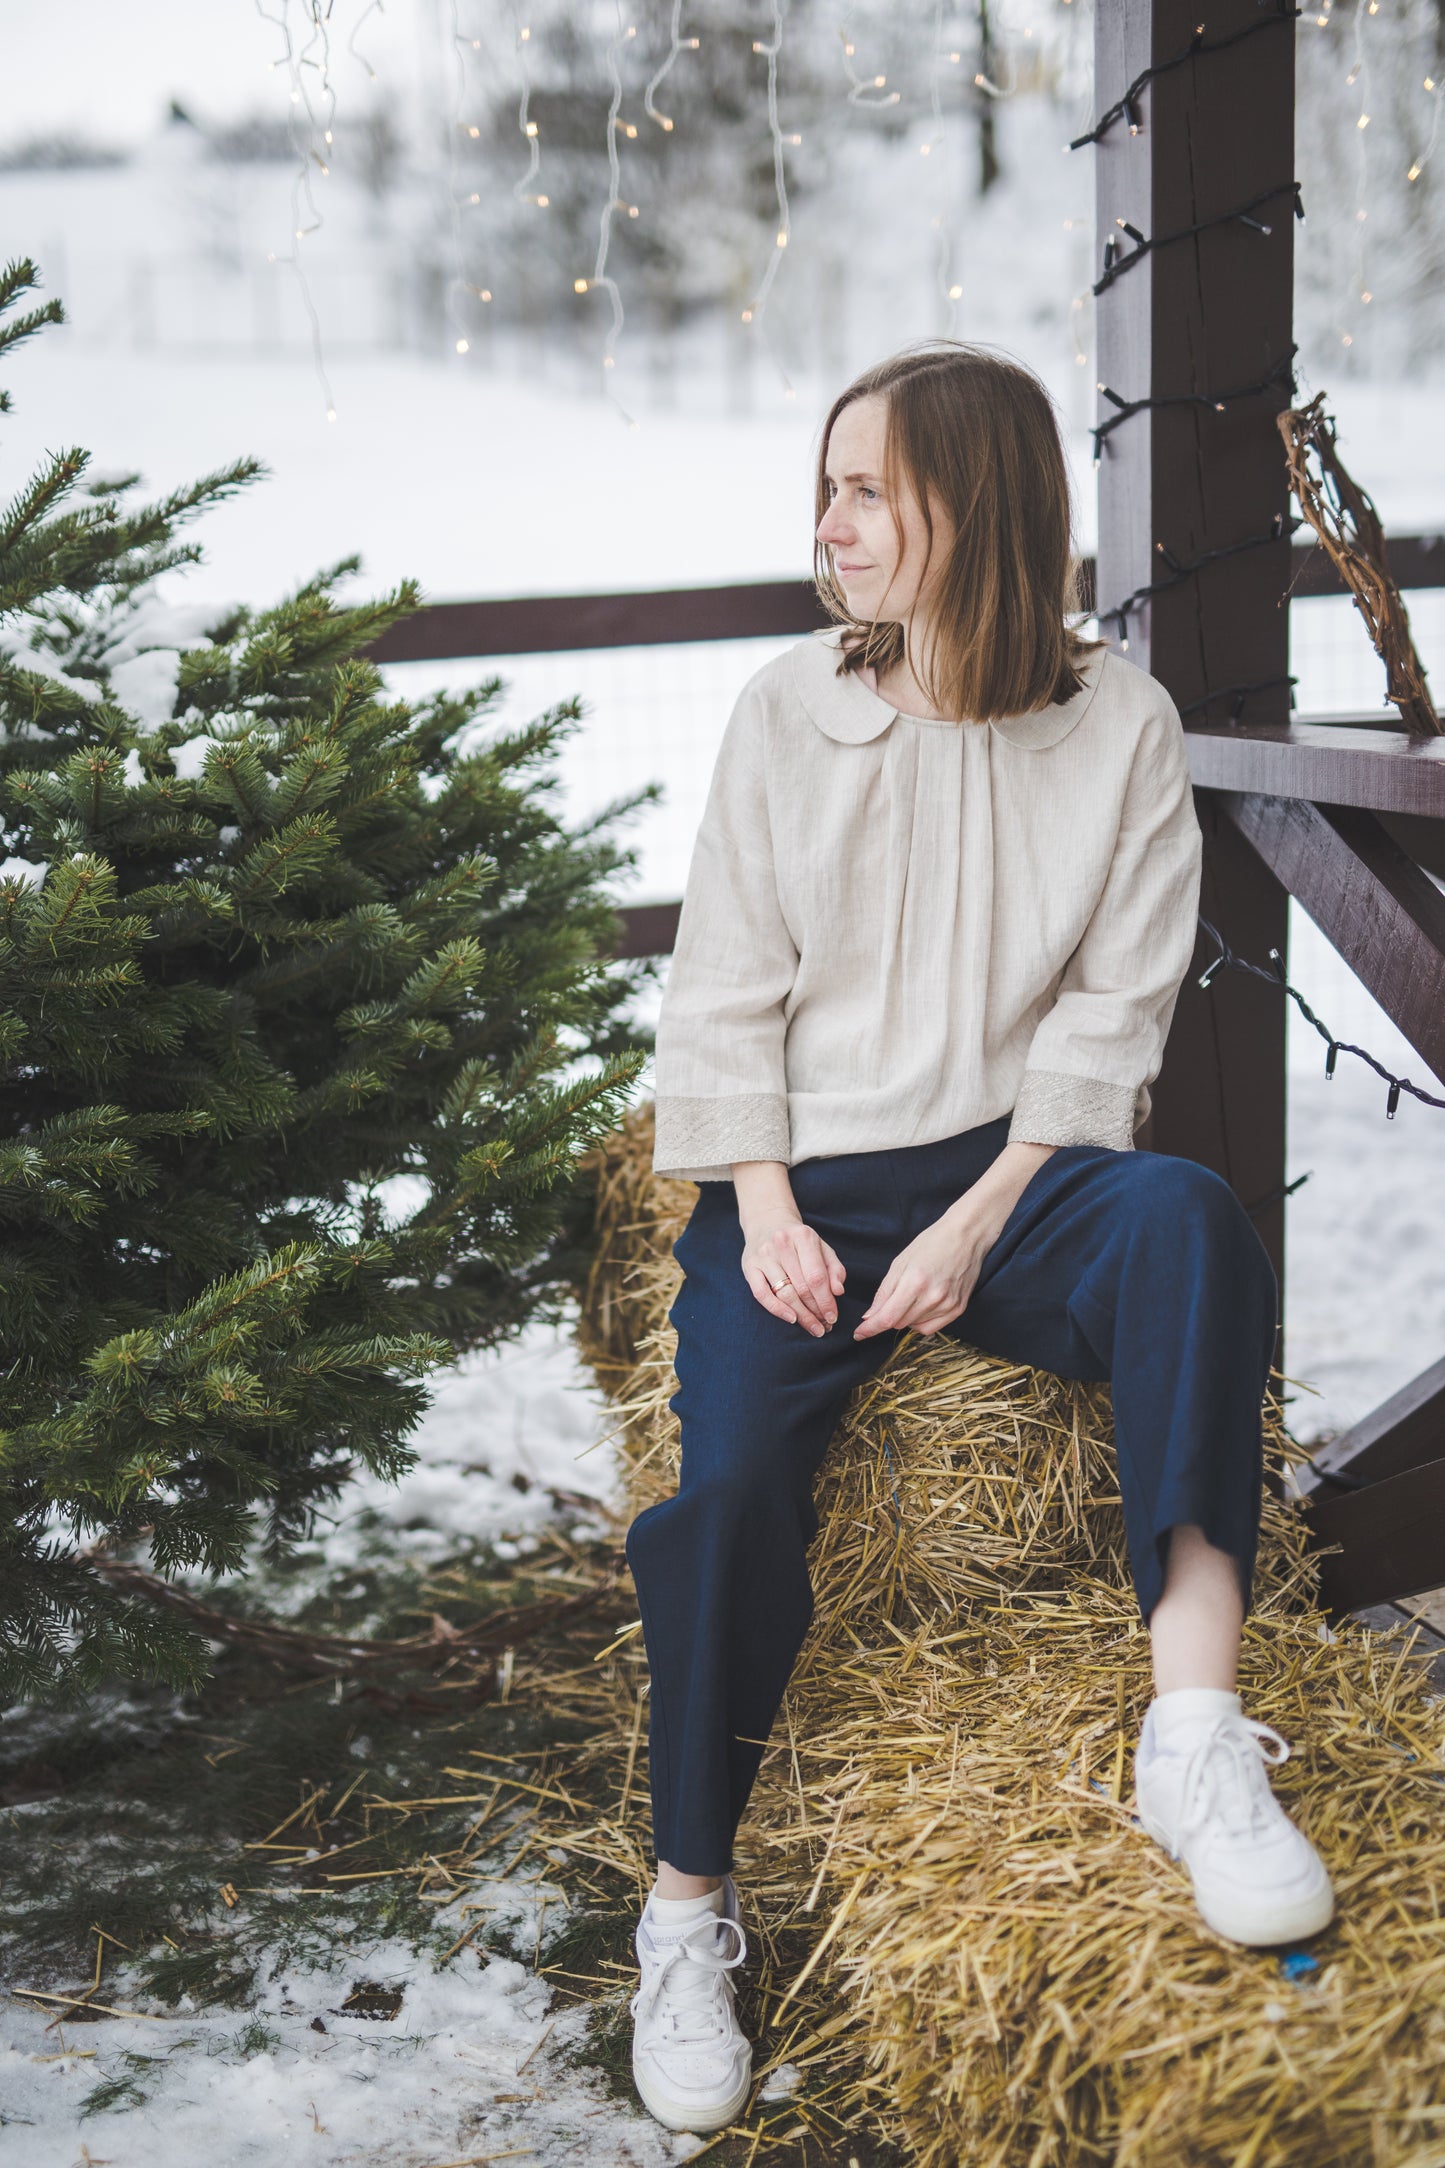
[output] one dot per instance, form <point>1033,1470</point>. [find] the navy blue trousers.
<point>1136,1267</point>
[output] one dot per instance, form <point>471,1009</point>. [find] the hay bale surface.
<point>1019,1975</point>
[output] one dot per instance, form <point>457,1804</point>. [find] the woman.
<point>938,913</point>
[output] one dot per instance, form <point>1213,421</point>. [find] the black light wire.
<point>1196,46</point>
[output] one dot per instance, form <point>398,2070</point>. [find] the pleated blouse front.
<point>896,928</point>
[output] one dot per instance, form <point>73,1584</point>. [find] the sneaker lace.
<point>1225,1776</point>
<point>690,1970</point>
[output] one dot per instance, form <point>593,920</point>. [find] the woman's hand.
<point>928,1284</point>
<point>780,1246</point>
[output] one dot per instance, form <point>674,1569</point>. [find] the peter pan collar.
<point>844,708</point>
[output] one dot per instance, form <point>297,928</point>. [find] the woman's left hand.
<point>929,1283</point>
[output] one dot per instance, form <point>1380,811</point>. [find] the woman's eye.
<point>865,491</point>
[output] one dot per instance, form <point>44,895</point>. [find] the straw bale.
<point>1017,1975</point>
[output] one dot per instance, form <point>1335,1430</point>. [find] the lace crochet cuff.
<point>699,1139</point>
<point>1054,1108</point>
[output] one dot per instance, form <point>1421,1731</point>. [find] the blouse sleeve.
<point>721,1093</point>
<point>1095,1053</point>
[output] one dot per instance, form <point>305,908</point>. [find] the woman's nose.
<point>831,528</point>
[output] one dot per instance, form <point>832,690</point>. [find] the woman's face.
<point>879,578</point>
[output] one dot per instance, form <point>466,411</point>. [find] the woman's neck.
<point>901,689</point>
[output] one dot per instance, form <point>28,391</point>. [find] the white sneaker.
<point>690,2062</point>
<point>1203,1793</point>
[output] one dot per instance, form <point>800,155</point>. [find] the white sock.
<point>678,1911</point>
<point>1190,1705</point>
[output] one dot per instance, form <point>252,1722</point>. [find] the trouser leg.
<point>1143,1268</point>
<point>720,1569</point>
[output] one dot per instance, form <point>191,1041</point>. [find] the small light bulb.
<point>474,199</point>
<point>747,316</point>
<point>955,293</point>
<point>474,132</point>
<point>486,293</point>
<point>331,413</point>
<point>631,129</point>
<point>328,136</point>
<point>543,201</point>
<point>1413,174</point>
<point>1363,121</point>
<point>461,346</point>
<point>531,128</point>
<point>782,240</point>
<point>579,286</point>
<point>608,362</point>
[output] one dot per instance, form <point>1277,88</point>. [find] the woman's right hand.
<point>779,1246</point>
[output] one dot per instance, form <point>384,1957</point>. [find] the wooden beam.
<point>648,929</point>
<point>1391,1537</point>
<point>1197,317</point>
<point>1404,1432</point>
<point>554,624</point>
<point>1220,1095</point>
<point>755,609</point>
<point>1385,916</point>
<point>1326,763</point>
<point>1187,321</point>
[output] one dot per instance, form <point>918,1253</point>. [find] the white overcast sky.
<point>108,68</point>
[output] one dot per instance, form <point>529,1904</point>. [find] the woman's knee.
<point>1186,1203</point>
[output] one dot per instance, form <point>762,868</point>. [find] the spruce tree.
<point>307,1009</point>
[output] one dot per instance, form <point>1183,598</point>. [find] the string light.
<point>1419,164</point>
<point>1237,694</point>
<point>1115,264</point>
<point>754,311</point>
<point>950,290</point>
<point>600,276</point>
<point>860,85</point>
<point>1179,572</point>
<point>1128,104</point>
<point>522,189</point>
<point>1283,370</point>
<point>679,44</point>
<point>1227,960</point>
<point>299,102</point>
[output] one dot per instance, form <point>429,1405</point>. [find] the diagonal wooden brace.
<point>1385,916</point>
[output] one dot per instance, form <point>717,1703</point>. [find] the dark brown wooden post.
<point>1209,313</point>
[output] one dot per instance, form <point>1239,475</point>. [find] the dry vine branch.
<point>1348,525</point>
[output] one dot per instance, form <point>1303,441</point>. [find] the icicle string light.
<point>600,275</point>
<point>294,61</point>
<point>780,183</point>
<point>679,44</point>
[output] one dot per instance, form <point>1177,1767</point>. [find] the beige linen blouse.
<point>894,929</point>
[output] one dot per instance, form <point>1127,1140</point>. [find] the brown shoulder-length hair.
<point>978,431</point>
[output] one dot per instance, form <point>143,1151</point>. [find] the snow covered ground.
<point>511,481</point>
